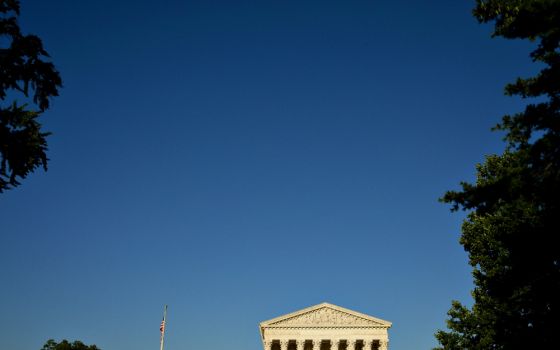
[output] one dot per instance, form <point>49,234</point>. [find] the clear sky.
<point>239,160</point>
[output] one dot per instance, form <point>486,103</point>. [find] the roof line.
<point>319,306</point>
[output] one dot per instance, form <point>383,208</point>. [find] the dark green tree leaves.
<point>23,146</point>
<point>24,70</point>
<point>512,231</point>
<point>65,345</point>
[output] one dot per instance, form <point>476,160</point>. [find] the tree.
<point>512,229</point>
<point>24,71</point>
<point>65,345</point>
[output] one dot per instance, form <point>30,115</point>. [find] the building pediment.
<point>325,315</point>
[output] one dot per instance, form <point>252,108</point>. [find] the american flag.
<point>162,327</point>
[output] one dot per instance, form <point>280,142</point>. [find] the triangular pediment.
<point>325,315</point>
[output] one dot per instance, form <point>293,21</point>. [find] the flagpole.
<point>163,326</point>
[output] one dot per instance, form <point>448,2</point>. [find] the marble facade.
<point>325,327</point>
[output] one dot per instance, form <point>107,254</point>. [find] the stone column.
<point>367,344</point>
<point>267,345</point>
<point>300,344</point>
<point>316,344</point>
<point>350,344</point>
<point>283,345</point>
<point>334,344</point>
<point>383,345</point>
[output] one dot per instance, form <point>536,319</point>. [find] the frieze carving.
<point>325,316</point>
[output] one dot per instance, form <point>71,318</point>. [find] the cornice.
<point>325,312</point>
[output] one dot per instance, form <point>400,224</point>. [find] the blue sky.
<point>239,160</point>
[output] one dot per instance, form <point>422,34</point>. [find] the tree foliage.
<point>24,70</point>
<point>66,345</point>
<point>513,225</point>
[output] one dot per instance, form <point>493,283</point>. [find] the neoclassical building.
<point>325,327</point>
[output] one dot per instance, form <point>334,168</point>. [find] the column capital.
<point>267,344</point>
<point>316,344</point>
<point>383,344</point>
<point>334,344</point>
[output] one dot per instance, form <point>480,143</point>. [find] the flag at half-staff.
<point>162,329</point>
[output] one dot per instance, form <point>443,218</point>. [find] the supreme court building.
<point>325,327</point>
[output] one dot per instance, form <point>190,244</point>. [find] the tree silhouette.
<point>512,229</point>
<point>65,345</point>
<point>24,71</point>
